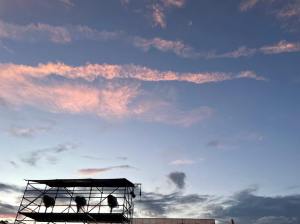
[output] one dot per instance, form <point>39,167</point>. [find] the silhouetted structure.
<point>77,200</point>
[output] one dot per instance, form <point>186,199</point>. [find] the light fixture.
<point>112,202</point>
<point>48,202</point>
<point>80,202</point>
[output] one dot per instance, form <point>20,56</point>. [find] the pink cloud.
<point>250,75</point>
<point>174,3</point>
<point>24,85</point>
<point>240,52</point>
<point>161,111</point>
<point>108,102</point>
<point>248,4</point>
<point>30,32</point>
<point>161,7</point>
<point>177,47</point>
<point>281,47</point>
<point>158,16</point>
<point>56,34</point>
<point>91,72</point>
<point>94,171</point>
<point>288,11</point>
<point>8,216</point>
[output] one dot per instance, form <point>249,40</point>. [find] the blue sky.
<point>193,99</point>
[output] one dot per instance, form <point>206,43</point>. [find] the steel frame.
<point>96,198</point>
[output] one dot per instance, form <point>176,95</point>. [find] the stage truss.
<point>65,192</point>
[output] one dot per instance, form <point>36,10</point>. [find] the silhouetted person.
<point>80,202</point>
<point>48,201</point>
<point>232,221</point>
<point>112,202</point>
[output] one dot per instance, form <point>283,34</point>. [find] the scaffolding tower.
<point>77,200</point>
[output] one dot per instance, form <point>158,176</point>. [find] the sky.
<point>196,100</point>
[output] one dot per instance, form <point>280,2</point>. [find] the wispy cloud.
<point>250,75</point>
<point>13,163</point>
<point>174,204</point>
<point>9,188</point>
<point>216,144</point>
<point>57,34</point>
<point>286,11</point>
<point>78,91</point>
<point>66,34</point>
<point>236,141</point>
<point>41,32</point>
<point>91,72</point>
<point>158,16</point>
<point>160,8</point>
<point>177,47</point>
<point>281,47</point>
<point>166,112</point>
<point>27,132</point>
<point>6,48</point>
<point>290,12</point>
<point>246,5</point>
<point>67,3</point>
<point>182,162</point>
<point>94,171</point>
<point>123,158</point>
<point>47,154</point>
<point>183,50</point>
<point>240,52</point>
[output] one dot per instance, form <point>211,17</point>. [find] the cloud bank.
<point>244,207</point>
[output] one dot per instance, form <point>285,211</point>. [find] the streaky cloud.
<point>182,162</point>
<point>27,132</point>
<point>246,5</point>
<point>34,32</point>
<point>280,47</point>
<point>177,47</point>
<point>90,72</point>
<point>94,171</point>
<point>286,11</point>
<point>78,91</point>
<point>49,154</point>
